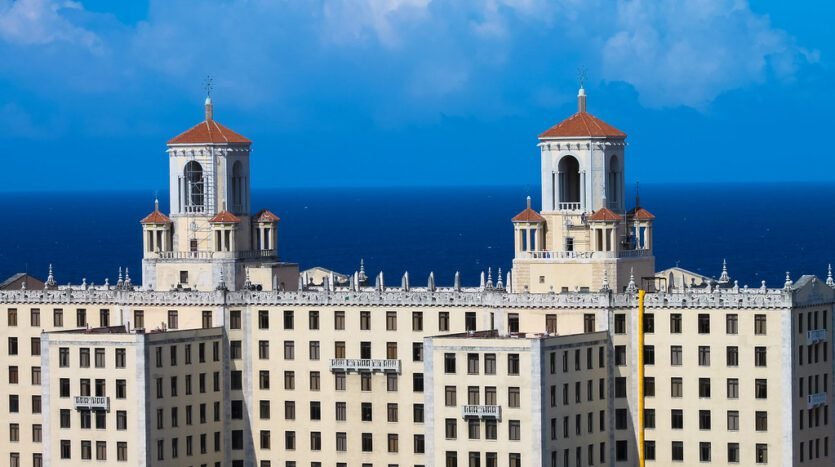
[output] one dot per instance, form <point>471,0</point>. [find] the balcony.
<point>91,403</point>
<point>364,365</point>
<point>814,400</point>
<point>558,254</point>
<point>634,253</point>
<point>568,206</point>
<point>818,335</point>
<point>482,411</point>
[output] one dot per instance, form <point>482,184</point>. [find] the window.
<point>391,321</point>
<point>63,357</point>
<point>649,386</point>
<point>449,363</point>
<point>676,387</point>
<point>290,440</point>
<point>514,430</point>
<point>704,387</point>
<point>620,355</point>
<point>84,357</point>
<point>339,320</point>
<point>733,420</point>
<point>313,320</point>
<point>120,358</point>
<point>138,319</point>
<point>35,318</point>
<point>341,441</point>
<point>704,355</point>
<point>551,323</point>
<point>620,323</point>
<point>264,350</point>
<point>704,452</point>
<point>288,319</point>
<point>235,350</point>
<point>733,452</point>
<point>649,323</point>
<point>172,319</point>
<point>678,450</point>
<point>443,321</point>
<point>760,356</point>
<point>490,364</point>
<point>588,322</point>
<point>675,323</point>
<point>649,450</point>
<point>704,419</point>
<point>289,380</point>
<point>513,364</point>
<point>676,419</point>
<point>760,325</point>
<point>81,318</point>
<point>417,382</point>
<point>417,413</point>
<point>621,450</point>
<point>733,388</point>
<point>620,419</point>
<point>289,350</point>
<point>732,355</point>
<point>14,403</point>
<point>731,324</point>
<point>393,441</point>
<point>235,319</point>
<point>391,413</point>
<point>761,389</point>
<point>419,444</point>
<point>264,379</point>
<point>207,319</point>
<point>704,323</point>
<point>513,397</point>
<point>620,387</point>
<point>675,355</point>
<point>451,428</point>
<point>649,355</point>
<point>12,317</point>
<point>66,449</point>
<point>417,321</point>
<point>367,442</point>
<point>365,320</point>
<point>761,453</point>
<point>263,319</point>
<point>315,381</point>
<point>761,420</point>
<point>99,355</point>
<point>449,396</point>
<point>313,350</point>
<point>469,321</point>
<point>472,364</point>
<point>315,441</point>
<point>58,318</point>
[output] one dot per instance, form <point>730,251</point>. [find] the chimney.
<point>581,100</point>
<point>209,109</point>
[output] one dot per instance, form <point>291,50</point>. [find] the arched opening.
<point>194,195</point>
<point>237,186</point>
<point>613,183</point>
<point>569,171</point>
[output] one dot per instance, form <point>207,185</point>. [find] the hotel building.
<point>582,355</point>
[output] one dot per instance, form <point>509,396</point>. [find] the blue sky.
<point>413,92</point>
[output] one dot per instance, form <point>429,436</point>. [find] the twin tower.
<point>583,239</point>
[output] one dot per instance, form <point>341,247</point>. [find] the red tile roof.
<point>641,214</point>
<point>582,124</point>
<point>155,217</point>
<point>225,217</point>
<point>528,215</point>
<point>208,131</point>
<point>265,216</point>
<point>604,215</point>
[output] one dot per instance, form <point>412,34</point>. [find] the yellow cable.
<point>641,462</point>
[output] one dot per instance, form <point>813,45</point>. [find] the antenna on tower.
<point>581,76</point>
<point>208,84</point>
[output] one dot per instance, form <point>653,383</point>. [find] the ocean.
<point>763,230</point>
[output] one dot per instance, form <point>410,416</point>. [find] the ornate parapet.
<point>417,297</point>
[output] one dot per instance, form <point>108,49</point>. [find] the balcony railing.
<point>185,254</point>
<point>211,254</point>
<point>482,411</point>
<point>92,403</point>
<point>634,253</point>
<point>558,254</point>
<point>816,336</point>
<point>364,364</point>
<point>568,206</point>
<point>815,400</point>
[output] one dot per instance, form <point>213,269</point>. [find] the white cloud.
<point>40,22</point>
<point>687,52</point>
<point>350,21</point>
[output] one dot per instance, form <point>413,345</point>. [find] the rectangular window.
<point>675,355</point>
<point>704,323</point>
<point>620,323</point>
<point>313,320</point>
<point>235,319</point>
<point>288,319</point>
<point>173,320</point>
<point>58,318</point>
<point>490,364</point>
<point>207,319</point>
<point>761,388</point>
<point>443,321</point>
<point>676,387</point>
<point>513,364</point>
<point>263,319</point>
<point>732,356</point>
<point>675,323</point>
<point>732,324</point>
<point>760,356</point>
<point>365,320</point>
<point>704,387</point>
<point>704,355</point>
<point>759,325</point>
<point>417,321</point>
<point>761,420</point>
<point>620,355</point>
<point>339,320</point>
<point>733,388</point>
<point>472,363</point>
<point>391,321</point>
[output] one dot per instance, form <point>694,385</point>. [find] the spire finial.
<point>499,282</point>
<point>156,203</point>
<point>829,281</point>
<point>489,278</point>
<point>631,287</point>
<point>50,279</point>
<point>529,201</point>
<point>581,93</point>
<point>208,85</point>
<point>724,278</point>
<point>788,284</point>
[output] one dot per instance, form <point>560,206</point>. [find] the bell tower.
<point>587,238</point>
<point>209,239</point>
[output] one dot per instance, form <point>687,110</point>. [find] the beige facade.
<point>224,357</point>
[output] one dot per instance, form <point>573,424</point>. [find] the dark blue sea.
<point>763,230</point>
